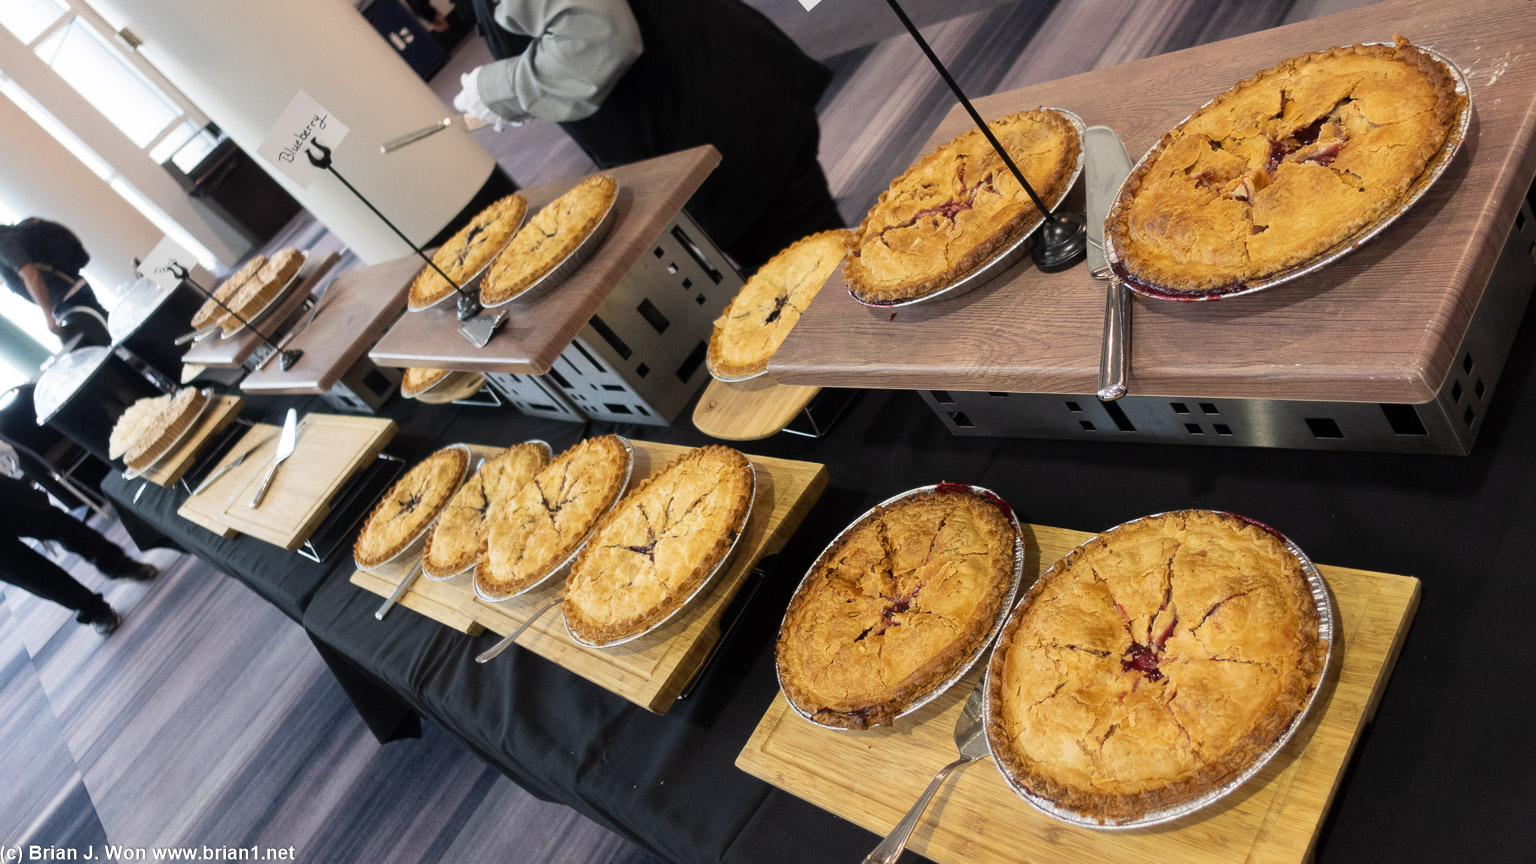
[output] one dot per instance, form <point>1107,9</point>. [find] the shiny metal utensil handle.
<point>492,652</point>
<point>891,847</point>
<point>405,585</point>
<point>413,137</point>
<point>1112,356</point>
<point>266,483</point>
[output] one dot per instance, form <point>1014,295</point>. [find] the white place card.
<point>303,122</point>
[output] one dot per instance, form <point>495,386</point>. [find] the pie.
<point>654,550</point>
<point>261,288</point>
<point>410,506</point>
<point>458,537</point>
<point>548,519</point>
<point>767,307</point>
<point>896,606</point>
<point>211,312</point>
<point>959,206</point>
<point>1284,167</point>
<point>552,234</point>
<point>469,250</point>
<point>165,428</point>
<point>417,381</point>
<point>133,422</point>
<point>283,265</point>
<point>1153,664</point>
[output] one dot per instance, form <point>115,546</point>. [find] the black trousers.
<point>25,568</point>
<point>803,206</point>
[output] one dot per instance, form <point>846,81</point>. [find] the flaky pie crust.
<point>552,234</point>
<point>762,313</point>
<point>410,506</point>
<point>457,538</point>
<point>473,247</point>
<point>167,426</point>
<point>211,312</point>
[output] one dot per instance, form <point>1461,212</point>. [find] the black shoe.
<point>106,622</point>
<point>141,572</point>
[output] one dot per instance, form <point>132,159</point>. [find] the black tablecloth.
<point>1441,775</point>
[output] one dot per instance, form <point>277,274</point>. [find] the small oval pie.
<point>552,234</point>
<point>410,506</point>
<point>458,536</point>
<point>766,308</point>
<point>470,249</point>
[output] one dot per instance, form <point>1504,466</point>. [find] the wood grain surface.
<point>219,352</point>
<point>652,670</point>
<point>749,410</point>
<point>650,194</point>
<point>358,306</point>
<point>173,465</point>
<point>206,509</point>
<point>1381,325</point>
<point>873,777</point>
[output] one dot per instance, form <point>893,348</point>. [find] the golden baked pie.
<point>959,206</point>
<point>251,299</point>
<point>1153,664</point>
<point>896,606</point>
<point>549,519</point>
<point>767,307</point>
<point>283,265</point>
<point>657,546</point>
<point>417,381</point>
<point>459,535</point>
<point>165,428</point>
<point>212,313</point>
<point>1283,167</point>
<point>469,250</point>
<point>552,234</point>
<point>133,422</point>
<point>410,506</point>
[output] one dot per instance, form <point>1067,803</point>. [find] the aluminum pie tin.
<point>733,379</point>
<point>1325,633</point>
<point>255,318</point>
<point>421,536</point>
<point>1426,179</point>
<point>453,387</point>
<point>472,283</point>
<point>1009,256</point>
<point>208,401</point>
<point>741,530</point>
<point>981,649</point>
<point>564,566</point>
<point>570,263</point>
<point>471,568</point>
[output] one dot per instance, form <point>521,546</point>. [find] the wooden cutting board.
<point>175,464</point>
<point>206,509</point>
<point>749,410</point>
<point>873,777</point>
<point>330,448</point>
<point>653,670</point>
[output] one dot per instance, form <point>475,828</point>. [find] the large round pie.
<point>1153,664</point>
<point>211,312</point>
<point>767,307</point>
<point>164,428</point>
<point>410,506</point>
<point>957,207</point>
<point>549,519</point>
<point>1283,167</point>
<point>459,534</point>
<point>658,546</point>
<point>898,604</point>
<point>469,250</point>
<point>552,234</point>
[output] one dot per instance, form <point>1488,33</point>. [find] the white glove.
<point>468,101</point>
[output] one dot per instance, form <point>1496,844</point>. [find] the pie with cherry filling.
<point>957,207</point>
<point>469,250</point>
<point>459,534</point>
<point>656,547</point>
<point>211,312</point>
<point>549,519</point>
<point>552,234</point>
<point>895,607</point>
<point>1284,167</point>
<point>1153,664</point>
<point>162,429</point>
<point>767,307</point>
<point>410,506</point>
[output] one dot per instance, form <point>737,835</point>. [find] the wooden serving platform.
<point>206,509</point>
<point>219,352</point>
<point>175,464</point>
<point>355,310</point>
<point>1381,325</point>
<point>651,194</point>
<point>873,777</point>
<point>749,410</point>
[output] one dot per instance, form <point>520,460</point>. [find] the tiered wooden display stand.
<point>175,464</point>
<point>749,410</point>
<point>873,777</point>
<point>218,352</point>
<point>653,670</point>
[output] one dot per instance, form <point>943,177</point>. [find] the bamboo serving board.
<point>873,777</point>
<point>175,464</point>
<point>330,449</point>
<point>653,670</point>
<point>749,410</point>
<point>206,509</point>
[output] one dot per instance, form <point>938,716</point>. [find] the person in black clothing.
<point>26,512</point>
<point>41,261</point>
<point>633,79</point>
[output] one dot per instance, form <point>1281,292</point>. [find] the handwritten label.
<point>157,264</point>
<point>302,124</point>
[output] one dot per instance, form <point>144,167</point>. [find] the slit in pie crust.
<point>763,312</point>
<point>552,234</point>
<point>410,506</point>
<point>469,250</point>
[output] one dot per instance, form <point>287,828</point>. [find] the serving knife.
<point>466,122</point>
<point>285,445</point>
<point>1106,164</point>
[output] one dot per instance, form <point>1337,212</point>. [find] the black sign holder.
<point>285,358</point>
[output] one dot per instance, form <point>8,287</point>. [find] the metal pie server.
<point>467,122</point>
<point>238,461</point>
<point>1106,165</point>
<point>285,445</point>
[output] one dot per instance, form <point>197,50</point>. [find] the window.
<point>97,71</point>
<point>27,19</point>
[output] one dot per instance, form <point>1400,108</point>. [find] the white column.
<point>242,62</point>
